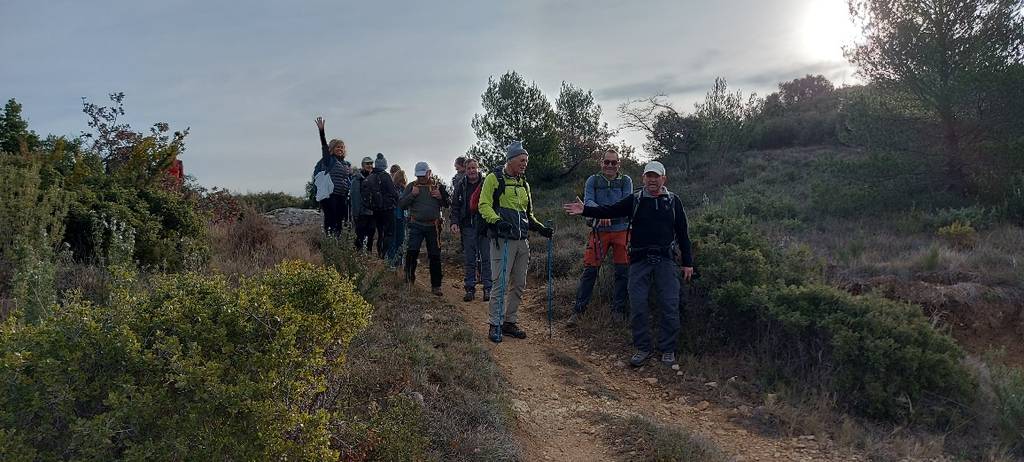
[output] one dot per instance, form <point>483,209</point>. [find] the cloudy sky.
<point>402,78</point>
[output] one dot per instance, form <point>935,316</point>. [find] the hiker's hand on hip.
<point>604,222</point>
<point>687,273</point>
<point>573,208</point>
<point>455,228</point>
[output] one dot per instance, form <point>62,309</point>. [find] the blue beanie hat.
<point>381,162</point>
<point>515,149</point>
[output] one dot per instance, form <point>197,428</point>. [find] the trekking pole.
<point>551,250</point>
<point>501,284</point>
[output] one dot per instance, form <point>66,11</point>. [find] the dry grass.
<point>640,438</point>
<point>252,243</point>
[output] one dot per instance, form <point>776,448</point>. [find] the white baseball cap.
<point>421,169</point>
<point>655,167</point>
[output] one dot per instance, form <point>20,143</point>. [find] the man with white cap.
<point>424,199</point>
<point>658,231</point>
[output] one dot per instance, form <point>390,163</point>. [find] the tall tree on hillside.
<point>945,53</point>
<point>515,110</point>
<point>14,129</point>
<point>580,130</point>
<point>721,117</point>
<point>669,132</point>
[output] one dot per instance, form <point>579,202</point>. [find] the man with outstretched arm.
<point>658,229</point>
<point>507,207</point>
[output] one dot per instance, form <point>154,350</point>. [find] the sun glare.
<point>826,28</point>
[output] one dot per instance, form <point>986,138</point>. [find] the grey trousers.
<point>512,257</point>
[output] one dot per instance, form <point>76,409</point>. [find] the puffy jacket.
<point>356,197</point>
<point>599,190</point>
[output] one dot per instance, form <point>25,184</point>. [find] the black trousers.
<point>365,227</point>
<point>335,208</point>
<point>384,224</point>
<point>418,233</point>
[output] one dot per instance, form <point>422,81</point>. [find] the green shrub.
<point>885,358</point>
<point>189,369</point>
<point>1008,385</point>
<point>974,215</point>
<point>166,227</point>
<point>879,357</point>
<point>266,201</point>
<point>959,235</point>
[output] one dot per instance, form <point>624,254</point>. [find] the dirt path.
<point>558,387</point>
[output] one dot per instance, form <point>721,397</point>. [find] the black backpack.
<point>373,193</point>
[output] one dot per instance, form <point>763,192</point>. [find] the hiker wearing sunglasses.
<point>607,236</point>
<point>658,238</point>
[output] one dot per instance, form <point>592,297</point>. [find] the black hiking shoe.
<point>436,291</point>
<point>494,333</point>
<point>469,296</point>
<point>640,358</point>
<point>512,330</point>
<point>487,295</point>
<point>668,358</point>
<point>574,320</point>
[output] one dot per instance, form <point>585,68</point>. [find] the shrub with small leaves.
<point>191,369</point>
<point>959,235</point>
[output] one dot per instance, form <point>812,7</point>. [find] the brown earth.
<point>559,384</point>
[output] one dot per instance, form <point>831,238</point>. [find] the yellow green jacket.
<point>514,209</point>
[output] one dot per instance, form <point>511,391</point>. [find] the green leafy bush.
<point>885,358</point>
<point>190,368</point>
<point>266,201</point>
<point>880,358</point>
<point>959,235</point>
<point>166,227</point>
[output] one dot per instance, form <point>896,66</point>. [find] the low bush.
<point>1008,387</point>
<point>959,235</point>
<point>189,368</point>
<point>880,358</point>
<point>266,201</point>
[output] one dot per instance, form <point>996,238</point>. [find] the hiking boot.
<point>640,358</point>
<point>469,296</point>
<point>512,330</point>
<point>574,320</point>
<point>436,291</point>
<point>494,333</point>
<point>487,295</point>
<point>668,358</point>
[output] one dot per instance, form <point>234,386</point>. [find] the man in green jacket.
<point>507,207</point>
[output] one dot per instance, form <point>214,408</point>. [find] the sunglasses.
<point>611,162</point>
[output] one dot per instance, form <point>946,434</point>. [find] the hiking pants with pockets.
<point>418,234</point>
<point>516,265</point>
<point>663,274</point>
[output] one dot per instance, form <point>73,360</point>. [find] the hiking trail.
<point>558,387</point>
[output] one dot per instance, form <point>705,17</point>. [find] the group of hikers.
<point>645,231</point>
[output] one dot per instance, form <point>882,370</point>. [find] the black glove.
<point>503,227</point>
<point>546,232</point>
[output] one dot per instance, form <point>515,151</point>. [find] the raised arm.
<point>323,137</point>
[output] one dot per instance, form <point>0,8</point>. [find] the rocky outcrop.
<point>289,217</point>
